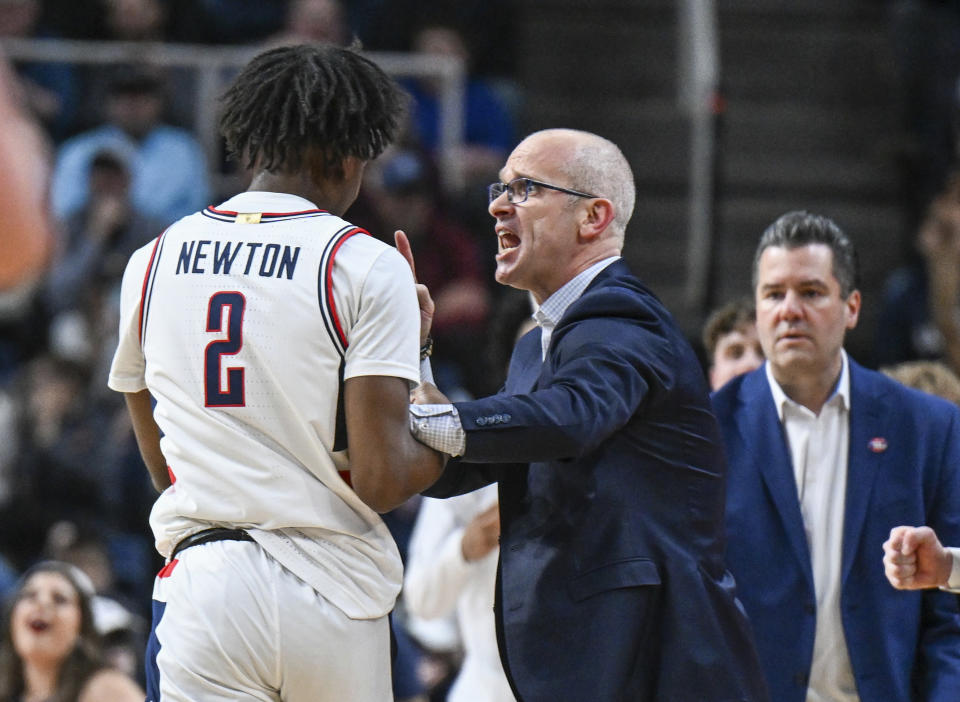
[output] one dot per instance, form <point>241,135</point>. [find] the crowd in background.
<point>123,161</point>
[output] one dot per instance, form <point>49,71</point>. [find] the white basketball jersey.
<point>244,321</point>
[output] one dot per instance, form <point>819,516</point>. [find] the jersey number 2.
<point>216,396</point>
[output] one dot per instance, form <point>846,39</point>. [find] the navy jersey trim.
<point>328,308</point>
<point>149,279</point>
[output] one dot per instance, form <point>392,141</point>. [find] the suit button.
<point>800,679</point>
<point>809,608</point>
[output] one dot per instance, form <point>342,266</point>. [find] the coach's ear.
<point>596,214</point>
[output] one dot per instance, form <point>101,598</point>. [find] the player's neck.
<point>327,196</point>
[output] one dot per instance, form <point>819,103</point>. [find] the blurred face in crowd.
<point>318,20</point>
<point>45,622</point>
<point>802,317</point>
<point>737,352</point>
<point>136,113</point>
<point>135,20</point>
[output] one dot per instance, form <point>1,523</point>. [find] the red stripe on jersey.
<point>146,280</point>
<point>167,570</point>
<point>329,280</point>
<point>173,478</point>
<point>345,474</point>
<point>229,213</point>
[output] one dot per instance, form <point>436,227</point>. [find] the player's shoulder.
<point>368,252</point>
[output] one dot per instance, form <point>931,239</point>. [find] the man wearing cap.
<point>169,168</point>
<point>825,457</point>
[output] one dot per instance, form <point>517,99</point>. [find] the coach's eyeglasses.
<point>518,190</point>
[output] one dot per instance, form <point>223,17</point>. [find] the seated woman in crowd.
<point>50,651</point>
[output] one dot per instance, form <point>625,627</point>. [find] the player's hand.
<point>423,295</point>
<point>482,534</point>
<point>914,558</point>
<point>428,394</point>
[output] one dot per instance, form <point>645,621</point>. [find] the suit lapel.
<point>526,364</point>
<point>865,460</point>
<point>774,463</point>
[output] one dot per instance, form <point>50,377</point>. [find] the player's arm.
<point>387,465</point>
<point>148,437</point>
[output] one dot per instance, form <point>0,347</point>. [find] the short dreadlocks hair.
<point>292,101</point>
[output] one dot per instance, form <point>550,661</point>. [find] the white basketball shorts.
<point>230,623</point>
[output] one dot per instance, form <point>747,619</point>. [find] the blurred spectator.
<point>926,44</point>
<point>49,88</point>
<point>50,649</point>
<point>488,129</point>
<point>225,21</point>
<point>453,568</point>
<point>403,194</point>
<point>170,178</point>
<point>491,25</point>
<point>136,20</point>
<point>75,460</point>
<point>118,611</point>
<point>314,20</point>
<point>72,19</point>
<point>919,316</point>
<point>731,342</point>
<point>100,236</point>
<point>929,376</point>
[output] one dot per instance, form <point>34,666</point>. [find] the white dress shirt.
<point>953,584</point>
<point>819,448</point>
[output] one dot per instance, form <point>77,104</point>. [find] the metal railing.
<point>699,86</point>
<point>215,65</point>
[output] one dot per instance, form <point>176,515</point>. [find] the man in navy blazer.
<point>611,583</point>
<point>824,458</point>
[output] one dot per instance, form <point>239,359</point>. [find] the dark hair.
<point>726,319</point>
<point>83,660</point>
<point>796,229</point>
<point>293,104</point>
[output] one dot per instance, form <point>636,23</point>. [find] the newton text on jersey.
<point>225,257</point>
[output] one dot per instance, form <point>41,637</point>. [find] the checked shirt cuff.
<point>438,426</point>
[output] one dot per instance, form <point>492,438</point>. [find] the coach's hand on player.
<point>428,394</point>
<point>423,294</point>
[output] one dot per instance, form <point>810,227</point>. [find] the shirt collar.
<point>261,201</point>
<point>552,309</point>
<point>840,394</point>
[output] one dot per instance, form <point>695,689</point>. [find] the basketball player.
<point>279,343</point>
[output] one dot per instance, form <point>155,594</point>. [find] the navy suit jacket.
<point>612,584</point>
<point>903,468</point>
